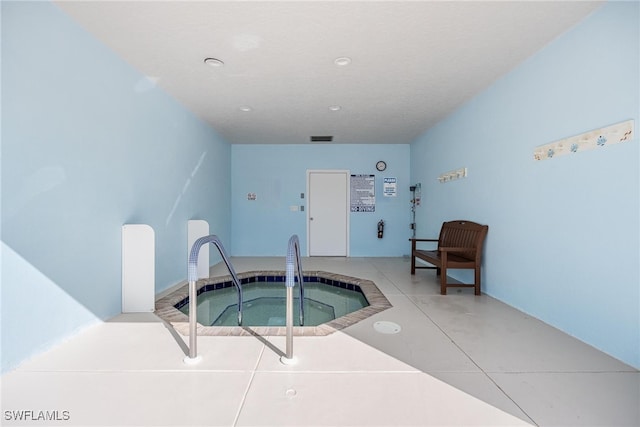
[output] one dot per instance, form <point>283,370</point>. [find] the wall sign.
<point>389,187</point>
<point>363,193</point>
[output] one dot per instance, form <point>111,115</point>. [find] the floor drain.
<point>385,327</point>
<point>291,392</point>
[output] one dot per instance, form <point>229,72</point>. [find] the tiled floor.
<point>458,360</point>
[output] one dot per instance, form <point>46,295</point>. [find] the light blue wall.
<point>277,174</point>
<point>563,242</point>
<point>89,144</point>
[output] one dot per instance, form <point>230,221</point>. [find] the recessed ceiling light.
<point>335,108</point>
<point>342,61</point>
<point>213,62</point>
<point>246,108</point>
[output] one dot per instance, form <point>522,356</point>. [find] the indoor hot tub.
<point>331,302</point>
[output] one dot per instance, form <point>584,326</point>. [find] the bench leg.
<point>443,281</point>
<point>413,265</point>
<point>477,282</point>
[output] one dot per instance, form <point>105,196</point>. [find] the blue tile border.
<point>273,279</point>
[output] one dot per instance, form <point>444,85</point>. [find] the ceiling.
<point>412,63</point>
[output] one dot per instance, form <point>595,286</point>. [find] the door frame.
<point>346,172</point>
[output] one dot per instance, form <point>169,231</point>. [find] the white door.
<point>328,213</point>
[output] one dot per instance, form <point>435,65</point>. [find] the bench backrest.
<point>464,234</point>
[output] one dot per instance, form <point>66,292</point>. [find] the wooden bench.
<point>459,246</point>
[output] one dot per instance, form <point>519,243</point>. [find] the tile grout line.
<point>341,372</point>
<point>471,359</point>
<point>599,372</point>
<point>246,392</point>
<point>508,397</point>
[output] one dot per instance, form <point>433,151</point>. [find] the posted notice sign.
<point>363,193</point>
<point>390,187</point>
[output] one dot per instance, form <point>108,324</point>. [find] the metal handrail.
<point>193,277</point>
<point>293,250</point>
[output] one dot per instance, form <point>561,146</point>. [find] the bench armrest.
<point>414,243</point>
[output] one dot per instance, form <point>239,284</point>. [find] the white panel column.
<point>197,228</point>
<point>138,268</point>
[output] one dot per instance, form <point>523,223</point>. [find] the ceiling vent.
<point>321,138</point>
